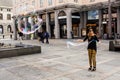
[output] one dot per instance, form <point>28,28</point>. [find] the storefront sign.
<point>64,17</point>
<point>91,25</point>
<point>104,22</point>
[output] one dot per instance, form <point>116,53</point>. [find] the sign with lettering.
<point>91,25</point>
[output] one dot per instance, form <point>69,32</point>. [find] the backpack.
<point>46,34</point>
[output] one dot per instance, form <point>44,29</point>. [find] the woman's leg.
<point>94,59</point>
<point>90,59</point>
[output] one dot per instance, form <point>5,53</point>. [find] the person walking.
<point>92,48</point>
<point>46,35</point>
<point>20,35</point>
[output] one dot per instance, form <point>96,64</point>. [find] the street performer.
<point>92,48</point>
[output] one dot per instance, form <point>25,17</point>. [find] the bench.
<point>114,45</point>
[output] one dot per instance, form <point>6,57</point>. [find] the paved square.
<point>57,62</point>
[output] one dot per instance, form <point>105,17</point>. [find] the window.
<point>92,0</point>
<point>8,16</point>
<point>1,29</point>
<point>93,14</point>
<point>76,1</point>
<point>49,2</point>
<point>26,7</point>
<point>1,9</point>
<point>60,1</point>
<point>1,16</point>
<point>41,3</point>
<point>9,10</point>
<point>9,29</point>
<point>33,3</point>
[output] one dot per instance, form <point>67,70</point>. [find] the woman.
<point>92,49</point>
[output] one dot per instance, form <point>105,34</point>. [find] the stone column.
<point>19,21</point>
<point>100,23</point>
<point>69,23</point>
<point>85,19</point>
<point>47,24</point>
<point>14,28</point>
<point>118,20</point>
<point>57,28</point>
<point>32,27</point>
<point>81,23</point>
<point>109,20</point>
<point>26,20</point>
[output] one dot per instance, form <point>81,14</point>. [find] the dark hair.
<point>91,29</point>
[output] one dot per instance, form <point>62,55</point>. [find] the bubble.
<point>30,26</point>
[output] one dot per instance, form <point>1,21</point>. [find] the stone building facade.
<point>61,17</point>
<point>6,23</point>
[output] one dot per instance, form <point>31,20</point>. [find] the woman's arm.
<point>96,39</point>
<point>85,38</point>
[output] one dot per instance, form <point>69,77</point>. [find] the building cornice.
<point>6,7</point>
<point>81,8</point>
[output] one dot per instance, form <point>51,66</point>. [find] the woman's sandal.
<point>90,68</point>
<point>94,69</point>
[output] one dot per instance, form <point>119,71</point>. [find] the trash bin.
<point>111,46</point>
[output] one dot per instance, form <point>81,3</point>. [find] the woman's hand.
<point>79,40</point>
<point>99,42</point>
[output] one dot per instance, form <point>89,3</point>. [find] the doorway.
<point>63,31</point>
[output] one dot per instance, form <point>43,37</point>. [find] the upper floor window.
<point>25,7</point>
<point>92,0</point>
<point>76,1</point>
<point>1,29</point>
<point>1,16</point>
<point>8,16</point>
<point>60,1</point>
<point>9,10</point>
<point>9,29</point>
<point>1,9</point>
<point>41,3</point>
<point>33,3</point>
<point>49,2</point>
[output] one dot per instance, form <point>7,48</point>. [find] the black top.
<point>92,42</point>
<point>20,33</point>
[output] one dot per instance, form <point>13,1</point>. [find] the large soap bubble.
<point>30,26</point>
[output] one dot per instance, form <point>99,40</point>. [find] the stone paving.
<point>57,62</point>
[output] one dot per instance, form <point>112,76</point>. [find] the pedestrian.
<point>20,35</point>
<point>3,36</point>
<point>41,36</point>
<point>92,49</point>
<point>10,36</point>
<point>46,36</point>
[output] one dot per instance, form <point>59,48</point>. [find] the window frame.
<point>1,16</point>
<point>8,16</point>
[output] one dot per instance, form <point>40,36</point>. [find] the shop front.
<point>52,24</point>
<point>63,25</point>
<point>94,25</point>
<point>93,21</point>
<point>105,22</point>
